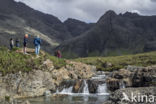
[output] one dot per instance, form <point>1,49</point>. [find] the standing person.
<point>25,43</point>
<point>17,43</point>
<point>37,44</point>
<point>11,44</point>
<point>59,54</point>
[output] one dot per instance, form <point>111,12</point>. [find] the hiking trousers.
<point>37,49</point>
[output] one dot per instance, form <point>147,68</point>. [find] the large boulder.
<point>143,95</point>
<point>30,84</point>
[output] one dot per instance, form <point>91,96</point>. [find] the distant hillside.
<point>16,19</point>
<point>76,27</point>
<point>114,35</point>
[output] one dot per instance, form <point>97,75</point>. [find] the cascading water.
<point>122,84</point>
<point>102,89</point>
<point>67,91</point>
<point>85,89</point>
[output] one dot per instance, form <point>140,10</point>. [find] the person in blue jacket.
<point>37,44</point>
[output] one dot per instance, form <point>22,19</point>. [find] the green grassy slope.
<point>143,59</point>
<point>12,61</point>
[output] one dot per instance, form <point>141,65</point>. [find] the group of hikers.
<point>37,44</point>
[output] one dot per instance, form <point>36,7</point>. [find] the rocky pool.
<point>92,91</point>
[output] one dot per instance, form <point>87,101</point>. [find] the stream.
<point>83,96</point>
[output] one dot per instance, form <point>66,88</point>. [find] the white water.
<point>102,89</point>
<point>122,85</point>
<point>99,77</point>
<point>66,91</point>
<point>85,89</point>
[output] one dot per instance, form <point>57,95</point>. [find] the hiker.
<point>37,44</point>
<point>25,43</point>
<point>58,54</point>
<point>11,44</point>
<point>17,43</point>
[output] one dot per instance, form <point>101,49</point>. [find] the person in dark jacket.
<point>25,43</point>
<point>11,44</point>
<point>37,44</point>
<point>17,43</point>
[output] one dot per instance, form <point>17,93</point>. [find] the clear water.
<point>70,99</point>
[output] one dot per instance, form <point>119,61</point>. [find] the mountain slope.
<point>76,27</point>
<point>16,19</point>
<point>114,35</point>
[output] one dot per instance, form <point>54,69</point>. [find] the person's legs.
<point>11,47</point>
<point>38,49</point>
<point>25,50</point>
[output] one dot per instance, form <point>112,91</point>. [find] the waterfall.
<point>122,84</point>
<point>85,89</point>
<point>102,89</point>
<point>99,77</point>
<point>66,90</point>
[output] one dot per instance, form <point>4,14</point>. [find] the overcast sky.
<point>91,10</point>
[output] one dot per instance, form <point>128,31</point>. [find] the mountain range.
<point>17,19</point>
<point>113,34</point>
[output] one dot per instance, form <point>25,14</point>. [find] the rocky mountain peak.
<point>109,14</point>
<point>130,14</point>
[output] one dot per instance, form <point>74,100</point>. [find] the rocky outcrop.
<point>143,95</point>
<point>30,84</point>
<point>132,77</point>
<point>41,82</point>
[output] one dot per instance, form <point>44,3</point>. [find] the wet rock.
<point>47,93</point>
<point>134,77</point>
<point>66,84</point>
<point>78,86</point>
<point>93,85</point>
<point>113,84</point>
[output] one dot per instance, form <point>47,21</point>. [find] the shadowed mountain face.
<point>16,19</point>
<point>114,35</point>
<point>76,27</point>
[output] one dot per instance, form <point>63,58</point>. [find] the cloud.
<point>90,10</point>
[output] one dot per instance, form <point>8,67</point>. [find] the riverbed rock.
<point>83,71</point>
<point>133,96</point>
<point>134,76</point>
<point>94,84</point>
<point>113,84</point>
<point>78,86</point>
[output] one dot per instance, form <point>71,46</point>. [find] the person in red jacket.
<point>58,54</point>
